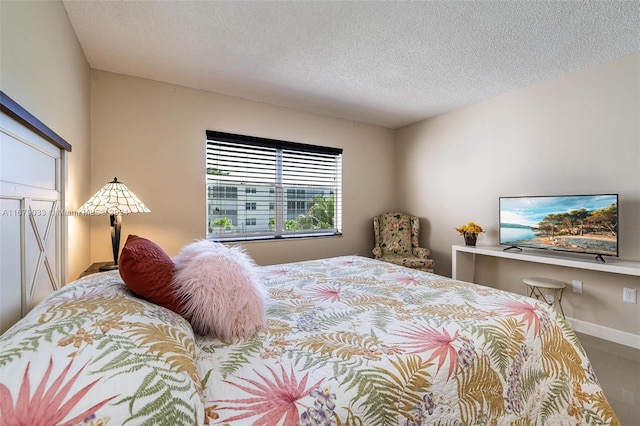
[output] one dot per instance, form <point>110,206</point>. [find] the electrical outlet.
<point>577,286</point>
<point>629,295</point>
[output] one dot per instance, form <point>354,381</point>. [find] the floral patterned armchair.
<point>396,238</point>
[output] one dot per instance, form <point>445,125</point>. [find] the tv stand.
<point>599,258</point>
<point>512,247</point>
<point>460,263</point>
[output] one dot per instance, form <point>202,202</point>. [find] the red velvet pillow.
<point>147,270</point>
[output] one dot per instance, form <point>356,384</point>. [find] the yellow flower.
<point>470,228</point>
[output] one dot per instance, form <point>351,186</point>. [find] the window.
<point>223,192</point>
<point>271,188</point>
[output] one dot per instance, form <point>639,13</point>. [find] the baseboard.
<point>605,333</point>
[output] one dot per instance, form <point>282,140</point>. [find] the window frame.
<point>290,149</point>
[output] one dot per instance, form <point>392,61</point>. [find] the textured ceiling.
<point>386,63</point>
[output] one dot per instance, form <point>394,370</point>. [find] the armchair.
<point>396,241</point>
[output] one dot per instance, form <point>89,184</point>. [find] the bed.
<point>349,341</point>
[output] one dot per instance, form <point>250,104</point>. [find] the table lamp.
<point>114,199</point>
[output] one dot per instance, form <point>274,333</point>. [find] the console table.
<point>460,265</point>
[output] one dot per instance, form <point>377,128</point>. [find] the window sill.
<point>275,238</point>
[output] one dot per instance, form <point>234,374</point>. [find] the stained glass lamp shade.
<point>114,199</point>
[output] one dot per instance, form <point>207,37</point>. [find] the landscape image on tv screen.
<point>577,223</point>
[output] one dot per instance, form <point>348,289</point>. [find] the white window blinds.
<point>264,188</point>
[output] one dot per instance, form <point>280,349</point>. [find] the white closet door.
<point>31,220</point>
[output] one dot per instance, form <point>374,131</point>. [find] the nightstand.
<point>94,268</point>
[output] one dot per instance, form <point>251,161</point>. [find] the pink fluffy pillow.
<point>220,290</point>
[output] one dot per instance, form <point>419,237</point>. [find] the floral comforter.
<point>94,354</point>
<point>350,341</point>
<point>355,341</point>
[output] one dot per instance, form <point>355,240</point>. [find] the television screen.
<point>574,223</point>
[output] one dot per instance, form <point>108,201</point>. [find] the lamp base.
<point>108,268</point>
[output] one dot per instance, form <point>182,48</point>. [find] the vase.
<point>470,239</point>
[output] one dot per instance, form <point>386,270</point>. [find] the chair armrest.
<point>377,252</point>
<point>422,253</point>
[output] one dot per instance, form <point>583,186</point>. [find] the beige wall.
<point>579,133</point>
<point>44,69</point>
<point>151,135</point>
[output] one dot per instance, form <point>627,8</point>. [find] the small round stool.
<point>546,289</point>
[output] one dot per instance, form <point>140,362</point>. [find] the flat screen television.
<point>570,223</point>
